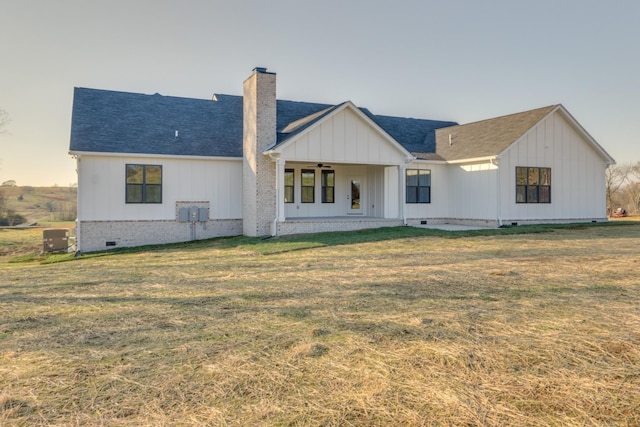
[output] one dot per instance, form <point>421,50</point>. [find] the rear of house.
<point>156,169</point>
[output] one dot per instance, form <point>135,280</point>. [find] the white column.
<point>280,163</point>
<point>402,191</point>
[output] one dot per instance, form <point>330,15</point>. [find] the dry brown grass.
<point>527,330</point>
<point>23,241</point>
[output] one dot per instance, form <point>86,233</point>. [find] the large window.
<point>144,184</point>
<point>533,185</point>
<point>288,185</point>
<point>308,183</point>
<point>418,186</point>
<point>328,186</point>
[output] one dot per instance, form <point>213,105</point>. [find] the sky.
<point>458,60</point>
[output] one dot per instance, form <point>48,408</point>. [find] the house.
<point>159,169</point>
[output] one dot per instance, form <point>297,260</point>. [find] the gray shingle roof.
<point>418,136</point>
<point>486,138</point>
<point>121,122</point>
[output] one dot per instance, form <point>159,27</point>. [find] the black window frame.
<point>289,188</point>
<point>415,194</point>
<point>328,193</point>
<point>533,185</point>
<point>142,192</point>
<point>312,188</point>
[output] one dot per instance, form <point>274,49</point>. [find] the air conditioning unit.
<point>55,240</point>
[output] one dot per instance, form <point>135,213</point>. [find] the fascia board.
<point>472,160</point>
<point>152,156</point>
<point>577,126</point>
<point>430,162</point>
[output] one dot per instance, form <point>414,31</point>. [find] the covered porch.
<point>337,171</point>
<point>319,197</point>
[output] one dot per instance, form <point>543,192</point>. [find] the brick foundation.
<point>102,235</point>
<point>317,225</point>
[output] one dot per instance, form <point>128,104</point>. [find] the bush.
<point>10,218</point>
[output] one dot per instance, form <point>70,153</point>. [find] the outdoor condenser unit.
<point>55,240</point>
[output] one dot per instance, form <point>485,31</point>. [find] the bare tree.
<point>632,191</point>
<point>615,177</point>
<point>633,187</point>
<point>635,170</point>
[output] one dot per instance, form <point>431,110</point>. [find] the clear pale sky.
<point>461,60</point>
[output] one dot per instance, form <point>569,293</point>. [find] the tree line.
<point>623,187</point>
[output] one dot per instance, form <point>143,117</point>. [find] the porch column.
<point>402,191</point>
<point>280,189</point>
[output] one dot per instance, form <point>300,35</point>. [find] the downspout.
<point>79,212</point>
<point>496,162</point>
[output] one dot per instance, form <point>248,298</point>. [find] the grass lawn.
<point>539,329</point>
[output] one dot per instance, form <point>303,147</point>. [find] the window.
<point>418,186</point>
<point>288,185</point>
<point>328,186</point>
<point>144,184</point>
<point>533,185</point>
<point>308,185</point>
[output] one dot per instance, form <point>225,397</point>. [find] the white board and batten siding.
<point>102,192</point>
<point>344,137</point>
<point>577,173</point>
<point>440,193</point>
<point>472,191</point>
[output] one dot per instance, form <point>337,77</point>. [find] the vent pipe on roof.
<point>450,139</point>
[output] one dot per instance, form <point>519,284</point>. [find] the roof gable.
<point>341,133</point>
<point>486,138</point>
<point>586,136</point>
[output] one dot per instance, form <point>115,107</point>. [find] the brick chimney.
<point>259,172</point>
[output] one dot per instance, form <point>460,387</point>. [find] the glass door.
<point>355,196</point>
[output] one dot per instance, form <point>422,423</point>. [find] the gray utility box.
<point>55,240</point>
<point>193,214</point>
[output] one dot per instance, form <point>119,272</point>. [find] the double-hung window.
<point>308,183</point>
<point>533,185</point>
<point>328,186</point>
<point>418,186</point>
<point>144,184</point>
<point>289,182</point>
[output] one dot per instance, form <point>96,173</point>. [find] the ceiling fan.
<point>320,165</point>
